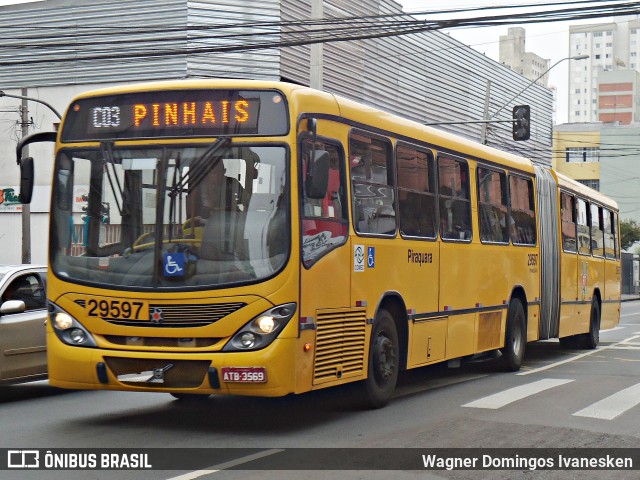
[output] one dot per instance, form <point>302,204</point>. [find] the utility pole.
<point>26,208</point>
<point>24,123</point>
<point>485,115</point>
<point>317,61</point>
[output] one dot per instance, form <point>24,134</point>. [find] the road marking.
<point>500,399</point>
<point>614,405</point>
<point>582,355</point>
<point>226,465</point>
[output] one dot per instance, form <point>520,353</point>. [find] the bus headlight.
<point>68,329</point>
<point>62,321</point>
<point>262,330</point>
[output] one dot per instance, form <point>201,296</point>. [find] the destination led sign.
<point>176,113</point>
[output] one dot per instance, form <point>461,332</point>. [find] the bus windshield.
<point>170,217</point>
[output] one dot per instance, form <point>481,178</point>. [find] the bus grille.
<point>195,315</point>
<point>340,342</point>
<point>180,315</point>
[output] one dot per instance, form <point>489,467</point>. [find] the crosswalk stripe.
<point>614,405</point>
<point>500,399</point>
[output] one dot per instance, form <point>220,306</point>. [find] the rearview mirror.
<point>317,180</point>
<point>13,306</point>
<point>26,180</point>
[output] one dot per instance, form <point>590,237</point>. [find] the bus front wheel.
<point>383,362</point>
<point>515,337</point>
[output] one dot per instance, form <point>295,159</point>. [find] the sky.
<point>550,41</point>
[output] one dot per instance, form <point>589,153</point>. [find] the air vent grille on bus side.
<point>340,345</point>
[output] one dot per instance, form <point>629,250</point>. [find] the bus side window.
<point>616,236</point>
<point>416,192</point>
<point>494,219</point>
<point>597,234</point>
<point>455,201</point>
<point>568,218</point>
<point>609,238</point>
<point>371,163</point>
<point>584,234</point>
<point>522,210</point>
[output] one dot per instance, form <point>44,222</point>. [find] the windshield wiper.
<point>107,153</point>
<point>172,196</point>
<point>201,166</point>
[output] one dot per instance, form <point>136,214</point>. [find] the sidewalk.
<point>630,297</point>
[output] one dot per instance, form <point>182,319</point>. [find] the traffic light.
<point>521,122</point>
<point>105,210</point>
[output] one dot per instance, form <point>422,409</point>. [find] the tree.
<point>629,233</point>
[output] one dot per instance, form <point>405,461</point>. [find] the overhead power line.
<point>95,42</point>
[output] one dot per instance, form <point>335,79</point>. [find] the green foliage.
<point>629,233</point>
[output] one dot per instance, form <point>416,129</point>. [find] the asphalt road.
<point>559,399</point>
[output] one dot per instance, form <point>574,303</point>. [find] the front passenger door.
<point>22,334</point>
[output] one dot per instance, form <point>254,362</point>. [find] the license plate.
<point>244,374</point>
<point>117,309</point>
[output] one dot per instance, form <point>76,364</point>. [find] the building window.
<point>582,154</point>
<point>595,184</point>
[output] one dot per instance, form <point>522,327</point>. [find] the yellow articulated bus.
<point>262,238</point>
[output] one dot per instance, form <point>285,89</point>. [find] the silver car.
<point>23,311</point>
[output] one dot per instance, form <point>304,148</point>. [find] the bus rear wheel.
<point>514,337</point>
<point>590,340</point>
<point>383,362</point>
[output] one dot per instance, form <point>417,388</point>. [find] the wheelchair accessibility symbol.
<point>371,257</point>
<point>173,264</point>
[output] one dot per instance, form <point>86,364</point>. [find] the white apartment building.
<point>611,47</point>
<point>513,54</point>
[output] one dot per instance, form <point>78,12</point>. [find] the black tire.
<point>515,337</point>
<point>384,362</point>
<point>589,341</point>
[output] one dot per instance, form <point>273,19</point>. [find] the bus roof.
<point>361,114</point>
<point>577,187</point>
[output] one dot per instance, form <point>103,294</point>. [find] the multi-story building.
<point>619,97</point>
<point>604,156</point>
<point>59,48</point>
<point>611,47</point>
<point>513,54</point>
